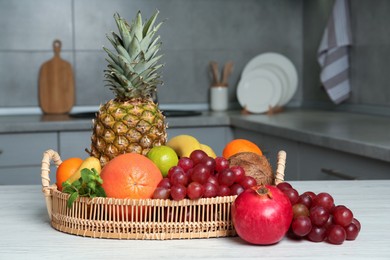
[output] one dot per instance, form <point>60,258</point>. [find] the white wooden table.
<point>25,231</point>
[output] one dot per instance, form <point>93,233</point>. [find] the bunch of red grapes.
<point>318,219</point>
<point>201,176</point>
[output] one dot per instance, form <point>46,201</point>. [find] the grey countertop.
<point>365,135</point>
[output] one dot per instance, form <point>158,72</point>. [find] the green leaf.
<point>86,175</point>
<point>137,26</point>
<point>149,24</point>
<point>72,198</point>
<point>92,186</point>
<point>100,191</point>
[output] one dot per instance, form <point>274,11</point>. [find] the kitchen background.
<point>194,33</point>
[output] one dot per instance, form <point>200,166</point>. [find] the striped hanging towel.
<point>333,53</point>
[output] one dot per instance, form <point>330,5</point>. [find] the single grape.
<point>179,177</point>
<point>178,192</point>
<point>197,155</point>
<point>236,189</point>
<point>357,223</point>
<point>247,182</point>
<point>185,163</point>
<point>329,222</point>
<point>209,162</point>
<point>352,231</point>
<point>226,177</point>
<point>311,194</point>
<point>174,169</point>
<point>164,183</point>
<point>221,163</point>
<point>300,210</point>
<point>213,179</point>
<point>161,193</point>
<point>210,190</point>
<point>195,190</point>
<point>342,216</point>
<point>223,190</point>
<point>317,234</point>
<point>200,174</point>
<point>292,194</point>
<point>301,226</point>
<point>305,199</point>
<point>336,234</point>
<point>283,186</point>
<point>319,215</point>
<point>324,200</point>
<point>239,173</point>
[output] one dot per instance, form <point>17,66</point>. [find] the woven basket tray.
<point>139,219</point>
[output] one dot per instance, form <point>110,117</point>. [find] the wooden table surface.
<point>25,231</point>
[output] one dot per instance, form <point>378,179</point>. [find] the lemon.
<point>164,157</point>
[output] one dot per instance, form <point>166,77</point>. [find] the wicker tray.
<point>139,219</point>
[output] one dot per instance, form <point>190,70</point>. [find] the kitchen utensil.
<point>215,72</point>
<point>258,91</point>
<point>56,84</point>
<point>227,70</point>
<point>284,67</point>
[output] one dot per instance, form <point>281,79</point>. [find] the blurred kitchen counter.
<point>360,134</point>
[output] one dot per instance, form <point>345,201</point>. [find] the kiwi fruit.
<point>256,166</point>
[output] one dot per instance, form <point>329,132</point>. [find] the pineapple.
<point>131,122</point>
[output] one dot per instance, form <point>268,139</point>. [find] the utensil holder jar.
<point>219,98</point>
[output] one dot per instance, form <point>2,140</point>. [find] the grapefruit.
<point>130,175</point>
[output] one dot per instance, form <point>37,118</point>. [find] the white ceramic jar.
<point>219,98</point>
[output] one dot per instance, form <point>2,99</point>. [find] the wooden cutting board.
<point>56,84</point>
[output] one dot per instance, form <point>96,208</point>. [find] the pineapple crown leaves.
<point>132,72</point>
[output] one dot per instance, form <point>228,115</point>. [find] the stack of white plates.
<point>268,80</point>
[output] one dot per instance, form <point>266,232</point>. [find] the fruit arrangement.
<point>137,182</point>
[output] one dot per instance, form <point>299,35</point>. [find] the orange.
<point>238,146</point>
<point>66,169</point>
<point>130,175</point>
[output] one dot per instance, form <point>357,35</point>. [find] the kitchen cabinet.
<point>318,163</point>
<point>311,162</point>
<point>21,156</point>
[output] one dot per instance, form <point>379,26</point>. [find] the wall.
<point>369,72</point>
<point>194,33</point>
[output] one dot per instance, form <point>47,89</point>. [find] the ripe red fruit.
<point>352,231</point>
<point>336,235</point>
<point>221,163</point>
<point>292,194</point>
<point>248,182</point>
<point>342,216</point>
<point>262,215</point>
<point>226,177</point>
<point>197,155</point>
<point>239,173</point>
<point>324,200</point>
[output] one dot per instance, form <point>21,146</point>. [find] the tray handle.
<point>281,166</point>
<point>49,155</point>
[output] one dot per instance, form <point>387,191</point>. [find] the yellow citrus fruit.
<point>164,157</point>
